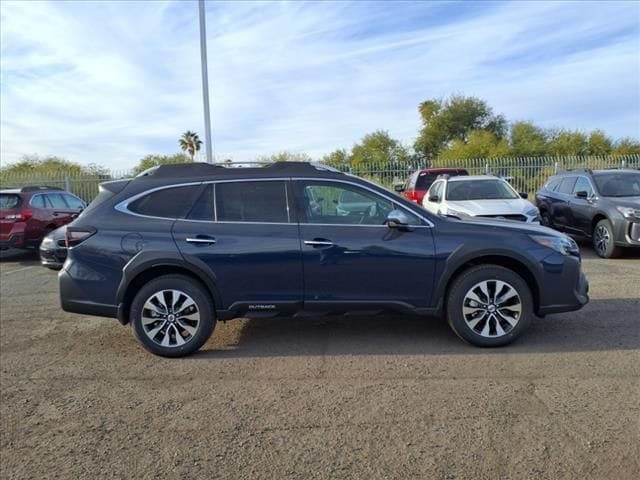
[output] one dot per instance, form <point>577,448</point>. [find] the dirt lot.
<point>385,397</point>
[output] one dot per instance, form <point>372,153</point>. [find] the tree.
<point>190,143</point>
<point>626,146</point>
<point>527,140</point>
<point>480,144</point>
<point>599,143</point>
<point>567,142</point>
<point>379,150</point>
<point>50,165</point>
<point>444,121</point>
<point>285,156</point>
<point>337,158</point>
<point>153,160</point>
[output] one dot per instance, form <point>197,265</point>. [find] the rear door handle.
<point>201,239</point>
<point>318,243</point>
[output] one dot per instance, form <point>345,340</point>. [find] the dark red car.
<point>28,214</point>
<point>419,182</point>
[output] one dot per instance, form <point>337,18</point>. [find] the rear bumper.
<point>73,298</point>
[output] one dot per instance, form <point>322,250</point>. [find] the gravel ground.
<point>367,398</point>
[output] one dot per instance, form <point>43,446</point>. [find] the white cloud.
<point>110,82</point>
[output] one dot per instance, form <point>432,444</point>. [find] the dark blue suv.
<point>182,246</point>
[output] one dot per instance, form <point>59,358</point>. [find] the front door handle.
<point>318,243</point>
<point>201,239</point>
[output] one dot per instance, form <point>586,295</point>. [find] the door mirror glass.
<point>524,195</point>
<point>582,194</point>
<point>397,218</point>
<point>399,188</point>
<point>434,198</point>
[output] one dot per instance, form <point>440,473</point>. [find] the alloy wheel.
<point>602,239</point>
<point>170,318</point>
<point>492,308</point>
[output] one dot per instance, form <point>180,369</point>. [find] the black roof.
<point>202,170</point>
<point>588,171</point>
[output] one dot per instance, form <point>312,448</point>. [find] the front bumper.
<point>53,257</point>
<point>627,233</point>
<point>565,287</point>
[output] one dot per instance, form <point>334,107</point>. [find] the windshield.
<point>480,190</point>
<point>9,201</point>
<point>618,184</point>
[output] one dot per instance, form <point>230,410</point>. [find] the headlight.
<point>47,242</point>
<point>629,213</point>
<point>532,213</point>
<point>563,245</point>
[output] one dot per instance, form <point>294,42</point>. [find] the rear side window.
<point>552,184</point>
<point>425,180</point>
<point>9,201</point>
<point>566,186</point>
<point>203,208</point>
<point>173,202</point>
<point>38,201</point>
<point>252,202</point>
<point>57,201</point>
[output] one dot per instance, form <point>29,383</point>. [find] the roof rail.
<point>443,176</point>
<point>35,188</point>
<point>576,170</point>
<point>204,169</point>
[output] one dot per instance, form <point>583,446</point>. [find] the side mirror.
<point>524,195</point>
<point>399,188</point>
<point>434,198</point>
<point>397,219</point>
<point>582,194</point>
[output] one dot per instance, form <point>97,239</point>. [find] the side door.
<point>353,260</point>
<point>61,213</point>
<point>245,233</point>
<point>75,204</point>
<point>436,190</point>
<point>559,202</point>
<point>580,209</point>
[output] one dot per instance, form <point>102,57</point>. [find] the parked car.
<point>186,245</point>
<point>479,196</point>
<point>418,183</point>
<point>53,249</point>
<point>28,214</point>
<point>601,205</point>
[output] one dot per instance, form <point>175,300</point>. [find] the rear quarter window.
<point>9,201</point>
<point>171,202</point>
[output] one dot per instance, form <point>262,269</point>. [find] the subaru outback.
<point>182,246</point>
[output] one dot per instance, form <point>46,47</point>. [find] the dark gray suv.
<point>602,205</point>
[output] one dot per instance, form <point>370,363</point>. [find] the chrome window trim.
<point>123,206</point>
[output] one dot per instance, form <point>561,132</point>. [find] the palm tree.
<point>190,143</point>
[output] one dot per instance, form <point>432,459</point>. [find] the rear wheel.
<point>604,241</point>
<point>489,306</point>
<point>172,316</point>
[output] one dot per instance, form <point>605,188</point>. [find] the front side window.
<point>264,201</point>
<point>57,201</point>
<point>480,190</point>
<point>566,186</point>
<point>335,203</point>
<point>583,185</point>
<point>74,202</point>
<point>173,202</point>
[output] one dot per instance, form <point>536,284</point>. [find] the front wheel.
<point>603,240</point>
<point>172,316</point>
<point>489,306</point>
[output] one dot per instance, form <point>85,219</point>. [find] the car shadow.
<point>19,256</point>
<point>610,324</point>
<point>587,251</point>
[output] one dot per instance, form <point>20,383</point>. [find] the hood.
<point>633,202</point>
<point>513,206</point>
<point>522,227</point>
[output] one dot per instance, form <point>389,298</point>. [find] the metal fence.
<point>526,174</point>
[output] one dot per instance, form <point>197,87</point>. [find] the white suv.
<point>479,196</point>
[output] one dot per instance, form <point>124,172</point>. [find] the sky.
<point>109,82</point>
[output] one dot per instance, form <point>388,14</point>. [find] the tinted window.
<point>583,185</point>
<point>203,207</point>
<point>172,202</point>
<point>38,201</point>
<point>57,201</point>
<point>566,186</point>
<point>74,202</point>
<point>480,190</point>
<point>252,202</point>
<point>552,184</point>
<point>619,184</point>
<point>425,180</point>
<point>437,190</point>
<point>9,200</point>
<point>336,203</point>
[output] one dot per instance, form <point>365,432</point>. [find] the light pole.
<point>205,83</point>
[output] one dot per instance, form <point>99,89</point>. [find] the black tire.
<point>173,329</point>
<point>545,219</point>
<point>604,240</point>
<point>471,326</point>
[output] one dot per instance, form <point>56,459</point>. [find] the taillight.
<point>20,217</point>
<point>414,197</point>
<point>76,235</point>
